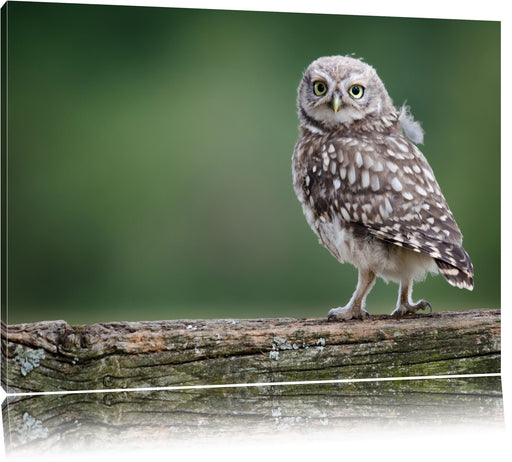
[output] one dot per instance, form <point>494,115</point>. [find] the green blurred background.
<point>149,158</point>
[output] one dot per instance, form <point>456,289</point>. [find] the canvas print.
<point>210,197</point>
<point>224,213</point>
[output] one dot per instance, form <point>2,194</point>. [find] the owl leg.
<point>355,307</point>
<point>405,304</point>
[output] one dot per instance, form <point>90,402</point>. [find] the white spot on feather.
<point>365,178</point>
<point>325,158</point>
<point>403,147</point>
<point>389,208</point>
<point>428,173</point>
<point>450,271</point>
<point>435,254</point>
<point>421,190</point>
<point>352,174</point>
<point>359,159</point>
<point>345,214</point>
<point>392,166</point>
<point>396,185</point>
<point>375,183</point>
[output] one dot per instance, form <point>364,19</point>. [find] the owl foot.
<point>405,308</point>
<point>346,313</point>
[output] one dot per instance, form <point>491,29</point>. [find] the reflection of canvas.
<point>149,161</point>
<point>255,414</point>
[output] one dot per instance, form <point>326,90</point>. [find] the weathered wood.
<point>53,355</point>
<point>120,420</point>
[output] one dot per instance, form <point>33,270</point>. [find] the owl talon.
<point>397,312</point>
<point>404,309</point>
<point>347,313</point>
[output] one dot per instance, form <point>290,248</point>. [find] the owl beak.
<point>336,102</point>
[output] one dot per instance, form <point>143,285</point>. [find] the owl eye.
<point>320,88</point>
<point>356,91</point>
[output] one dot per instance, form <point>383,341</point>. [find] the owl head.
<point>339,90</point>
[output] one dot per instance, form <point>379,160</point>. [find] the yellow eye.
<point>320,88</point>
<point>356,91</point>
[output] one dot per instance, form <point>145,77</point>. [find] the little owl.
<point>366,190</point>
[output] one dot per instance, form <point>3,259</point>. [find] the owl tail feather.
<point>463,279</point>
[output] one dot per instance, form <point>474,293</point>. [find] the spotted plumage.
<point>366,189</point>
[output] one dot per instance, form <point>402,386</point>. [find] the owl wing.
<point>386,189</point>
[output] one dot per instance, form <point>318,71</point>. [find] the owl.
<point>367,191</point>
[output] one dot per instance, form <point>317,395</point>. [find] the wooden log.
<point>142,419</point>
<point>54,356</point>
